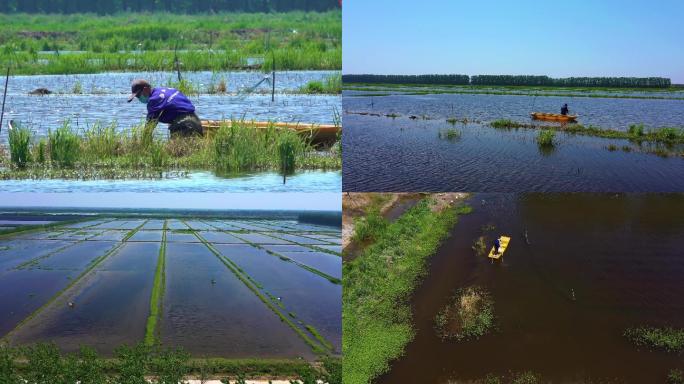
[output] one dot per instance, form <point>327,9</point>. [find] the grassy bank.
<point>44,363</point>
<point>376,317</point>
<point>667,339</point>
<point>86,43</point>
<point>106,152</point>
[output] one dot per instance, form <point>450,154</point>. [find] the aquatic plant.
<point>665,338</point>
<point>507,123</point>
<point>289,146</point>
<point>64,145</point>
<point>376,319</point>
<point>77,88</point>
<point>450,134</point>
<point>636,130</point>
<point>675,376</point>
<point>331,85</point>
<point>480,246</point>
<point>469,314</point>
<point>19,141</point>
<point>527,377</point>
<point>546,138</point>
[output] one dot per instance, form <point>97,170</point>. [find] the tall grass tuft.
<point>290,146</point>
<point>546,138</point>
<point>636,130</point>
<point>238,148</point>
<point>64,145</point>
<point>19,142</point>
<point>101,141</point>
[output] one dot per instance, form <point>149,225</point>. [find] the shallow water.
<point>304,181</point>
<point>209,312</point>
<point>105,100</point>
<point>594,266</point>
<point>207,309</point>
<point>404,155</point>
<point>602,112</point>
<point>110,308</point>
<point>310,297</point>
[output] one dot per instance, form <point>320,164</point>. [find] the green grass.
<point>369,227</point>
<point>105,152</point>
<point>666,338</point>
<point>157,293</point>
<point>146,42</point>
<point>44,363</point>
<point>19,142</point>
<point>331,85</point>
<point>675,376</point>
<point>468,315</point>
<point>376,315</point>
<point>507,123</point>
<point>546,138</point>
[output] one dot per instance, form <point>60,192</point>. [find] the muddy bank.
<point>594,266</point>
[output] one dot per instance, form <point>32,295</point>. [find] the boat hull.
<point>553,117</point>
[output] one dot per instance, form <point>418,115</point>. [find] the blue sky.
<point>265,201</point>
<point>559,39</point>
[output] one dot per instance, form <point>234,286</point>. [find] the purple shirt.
<point>166,104</point>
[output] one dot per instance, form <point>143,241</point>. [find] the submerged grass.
<point>376,316</point>
<point>666,338</point>
<point>157,293</point>
<point>468,315</point>
<point>106,152</point>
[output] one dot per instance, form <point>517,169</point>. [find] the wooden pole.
<point>273,80</point>
<point>4,96</point>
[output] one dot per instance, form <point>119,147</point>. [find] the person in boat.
<point>169,106</point>
<point>497,245</point>
<point>564,109</point>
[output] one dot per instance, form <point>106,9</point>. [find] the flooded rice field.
<point>612,113</point>
<point>224,292</point>
<point>194,181</point>
<point>103,99</point>
<point>410,155</point>
<point>580,269</point>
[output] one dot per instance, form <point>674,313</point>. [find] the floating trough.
<point>319,133</point>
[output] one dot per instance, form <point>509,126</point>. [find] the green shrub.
<point>170,366</point>
<point>133,364</point>
<point>675,376</point>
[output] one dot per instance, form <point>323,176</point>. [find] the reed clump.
<point>470,314</point>
<point>546,138</point>
<point>19,142</point>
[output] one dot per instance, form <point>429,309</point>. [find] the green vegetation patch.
<point>86,43</point>
<point>107,152</point>
<point>666,338</point>
<point>331,85</point>
<point>376,315</point>
<point>468,315</point>
<point>157,293</point>
<point>546,138</point>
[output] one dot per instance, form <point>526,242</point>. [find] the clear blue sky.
<point>559,39</point>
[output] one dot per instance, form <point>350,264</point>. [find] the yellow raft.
<point>319,133</point>
<point>504,240</point>
<point>553,117</point>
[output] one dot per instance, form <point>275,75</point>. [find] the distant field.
<point>86,43</point>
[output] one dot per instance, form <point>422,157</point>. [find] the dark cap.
<point>136,87</point>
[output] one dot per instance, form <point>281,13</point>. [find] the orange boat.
<point>319,133</point>
<point>553,117</point>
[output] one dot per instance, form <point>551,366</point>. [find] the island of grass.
<point>468,315</point>
<point>376,316</point>
<point>105,152</point>
<point>85,43</point>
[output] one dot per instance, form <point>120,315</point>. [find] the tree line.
<point>618,82</point>
<point>178,6</point>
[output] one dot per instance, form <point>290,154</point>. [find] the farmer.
<point>564,109</point>
<point>497,244</point>
<point>169,106</point>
